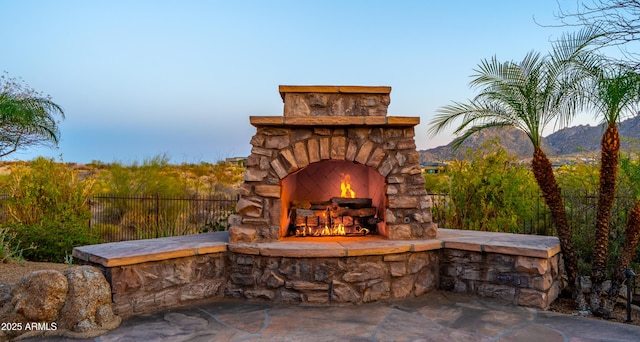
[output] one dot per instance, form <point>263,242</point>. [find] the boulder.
<point>74,303</point>
<point>88,305</point>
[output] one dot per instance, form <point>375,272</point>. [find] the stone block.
<point>313,146</point>
<point>280,170</point>
<point>395,257</point>
<point>401,158</point>
<point>405,144</point>
<point>502,292</point>
<point>532,265</point>
<point>260,151</point>
<point>543,282</point>
<point>200,290</point>
<point>260,294</point>
<point>398,268</point>
<point>386,167</point>
<point>289,157</point>
<point>249,207</point>
<point>426,280</point>
<point>390,217</point>
<point>268,190</point>
<point>273,280</point>
<point>392,189</point>
<point>395,179</point>
<point>412,170</point>
<point>338,147</point>
<point>300,153</point>
<point>272,131</point>
<point>377,291</point>
<point>343,293</point>
<point>365,271</point>
<point>399,231</point>
<point>401,287</point>
<point>352,148</point>
<point>402,202</point>
<point>304,286</point>
<point>176,272</point>
<point>124,279</point>
<point>316,297</point>
<point>301,134</point>
<point>376,158</point>
<point>417,261</point>
<point>255,175</point>
<point>430,230</point>
<point>242,279</point>
<point>363,153</point>
<point>242,234</point>
<point>277,142</point>
<point>257,140</point>
<point>532,298</point>
<point>234,220</point>
<point>325,148</point>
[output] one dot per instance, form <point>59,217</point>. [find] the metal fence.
<point>580,208</point>
<point>118,218</point>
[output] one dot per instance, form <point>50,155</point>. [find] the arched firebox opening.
<point>333,198</point>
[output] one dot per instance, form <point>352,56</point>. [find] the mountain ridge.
<point>582,141</point>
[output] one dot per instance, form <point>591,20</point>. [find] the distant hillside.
<point>566,143</point>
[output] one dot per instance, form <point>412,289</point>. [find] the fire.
<point>345,188</point>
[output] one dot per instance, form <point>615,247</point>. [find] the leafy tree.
<point>27,118</point>
<point>529,95</point>
<point>618,19</point>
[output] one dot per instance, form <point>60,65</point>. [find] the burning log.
<point>353,203</point>
<point>337,217</point>
<point>363,212</point>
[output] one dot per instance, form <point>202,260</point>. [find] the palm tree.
<point>616,90</point>
<point>27,119</point>
<point>529,95</point>
<point>632,229</point>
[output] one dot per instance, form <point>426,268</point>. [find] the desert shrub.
<point>436,183</point>
<point>490,191</point>
<point>9,247</point>
<point>48,208</point>
<point>154,176</point>
<point>52,241</point>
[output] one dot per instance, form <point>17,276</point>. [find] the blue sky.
<point>181,78</point>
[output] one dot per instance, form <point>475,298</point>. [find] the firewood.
<point>353,203</point>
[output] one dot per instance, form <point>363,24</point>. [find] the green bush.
<point>490,191</point>
<point>52,241</point>
<point>48,209</point>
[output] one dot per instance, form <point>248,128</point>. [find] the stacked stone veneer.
<point>522,280</point>
<point>149,275</point>
<point>149,286</point>
<point>352,280</point>
<point>333,123</point>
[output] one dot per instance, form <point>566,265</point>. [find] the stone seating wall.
<point>149,275</point>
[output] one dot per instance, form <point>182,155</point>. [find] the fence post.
<point>157,215</point>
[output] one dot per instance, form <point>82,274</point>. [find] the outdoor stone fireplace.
<point>332,210</point>
<point>331,138</point>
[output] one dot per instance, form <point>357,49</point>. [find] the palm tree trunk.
<point>632,237</point>
<point>608,174</point>
<point>543,173</point>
